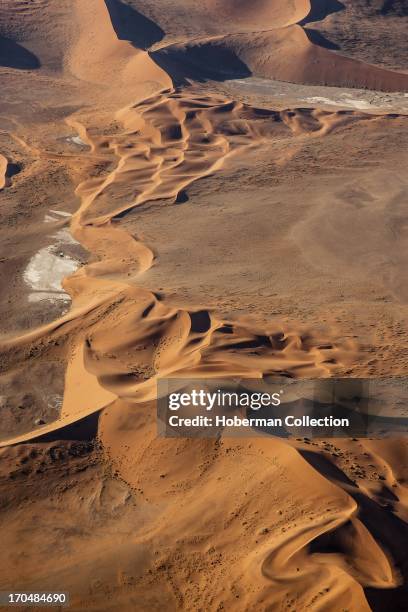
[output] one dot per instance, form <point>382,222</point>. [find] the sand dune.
<point>290,55</point>
<point>139,520</point>
<point>177,141</point>
<point>3,171</point>
<point>285,54</point>
<point>268,39</point>
<point>185,19</point>
<point>261,13</point>
<point>279,549</point>
<point>98,56</point>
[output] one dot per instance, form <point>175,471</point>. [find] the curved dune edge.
<point>167,142</point>
<point>287,505</point>
<point>284,54</point>
<point>3,171</point>
<point>79,385</point>
<point>289,55</point>
<point>98,56</point>
<point>261,13</point>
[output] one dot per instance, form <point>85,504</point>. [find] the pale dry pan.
<point>141,522</point>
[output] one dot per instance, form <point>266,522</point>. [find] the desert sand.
<point>211,189</point>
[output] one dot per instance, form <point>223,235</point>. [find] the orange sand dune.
<point>285,54</point>
<point>289,55</point>
<point>97,55</point>
<point>186,19</point>
<point>262,14</point>
<point>3,171</point>
<point>231,523</point>
<point>275,563</point>
<point>157,341</point>
<point>167,143</point>
<point>263,38</point>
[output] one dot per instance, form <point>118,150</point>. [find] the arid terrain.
<point>203,189</point>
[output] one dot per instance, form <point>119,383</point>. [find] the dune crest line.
<point>168,142</point>
<point>3,171</point>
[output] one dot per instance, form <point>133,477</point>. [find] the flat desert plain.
<point>199,189</point>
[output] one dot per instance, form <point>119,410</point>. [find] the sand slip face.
<point>97,56</point>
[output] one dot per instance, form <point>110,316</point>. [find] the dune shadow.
<point>131,25</point>
<point>12,170</point>
<point>200,321</point>
<point>321,9</point>
<point>13,55</point>
<point>200,63</point>
<point>85,429</point>
<point>391,7</point>
<point>318,39</point>
<point>182,197</point>
<point>387,529</point>
<point>326,468</point>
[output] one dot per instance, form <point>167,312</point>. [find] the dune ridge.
<point>267,39</point>
<point>263,13</point>
<point>283,544</point>
<point>3,171</point>
<point>284,54</point>
<point>167,143</point>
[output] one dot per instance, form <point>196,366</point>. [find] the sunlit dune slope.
<point>262,40</point>
<point>3,171</point>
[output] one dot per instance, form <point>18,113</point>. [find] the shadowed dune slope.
<point>319,10</point>
<point>36,32</point>
<point>13,55</point>
<point>261,40</point>
<point>133,26</point>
